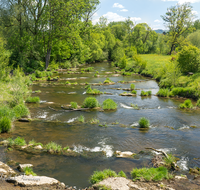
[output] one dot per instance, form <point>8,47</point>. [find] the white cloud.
<point>184,1</point>
<point>118,5</point>
<point>157,21</point>
<point>123,10</point>
<point>194,12</point>
<point>115,17</point>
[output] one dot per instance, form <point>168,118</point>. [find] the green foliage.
<point>194,38</point>
<point>19,141</point>
<point>81,119</point>
<point>5,111</point>
<point>93,91</point>
<point>28,171</point>
<point>198,103</point>
<point>90,102</point>
<point>187,104</point>
<point>94,121</point>
<point>123,62</point>
<point>169,162</point>
<point>163,92</point>
<point>144,123</point>
<point>147,93</point>
<point>74,105</point>
<point>89,69</point>
<point>107,81</point>
<point>67,82</point>
<point>134,92</point>
<point>109,104</point>
<point>35,99</point>
<point>21,111</point>
<point>53,147</point>
<point>66,148</point>
<point>101,175</point>
<point>121,174</point>
<point>150,174</point>
<point>187,92</point>
<point>189,59</point>
<point>134,106</point>
<point>132,86</point>
<point>5,124</point>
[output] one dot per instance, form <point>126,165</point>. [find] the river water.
<point>183,140</point>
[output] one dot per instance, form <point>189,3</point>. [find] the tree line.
<point>37,33</point>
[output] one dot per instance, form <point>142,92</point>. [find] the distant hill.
<point>160,31</point>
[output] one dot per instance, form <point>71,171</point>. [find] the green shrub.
<point>89,69</point>
<point>109,104</point>
<point>198,103</point>
<point>150,174</point>
<point>5,124</point>
<point>5,111</point>
<point>28,171</point>
<point>163,92</point>
<point>74,105</point>
<point>101,175</point>
<point>107,81</point>
<point>81,119</point>
<point>38,74</point>
<point>35,99</point>
<point>53,147</point>
<point>134,92</point>
<point>66,65</point>
<point>132,86</point>
<point>143,122</point>
<point>123,62</point>
<point>147,93</point>
<point>187,104</point>
<point>90,102</point>
<point>67,82</point>
<point>21,111</point>
<point>66,148</point>
<point>19,141</point>
<point>187,92</point>
<point>121,174</point>
<point>93,92</point>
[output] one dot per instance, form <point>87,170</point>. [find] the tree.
<point>189,59</point>
<point>197,24</point>
<point>194,38</point>
<point>178,19</point>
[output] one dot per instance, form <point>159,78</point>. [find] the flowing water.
<point>179,138</point>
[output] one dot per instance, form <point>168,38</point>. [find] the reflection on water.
<point>170,129</point>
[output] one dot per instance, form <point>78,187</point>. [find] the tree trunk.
<point>47,58</point>
<point>172,49</point>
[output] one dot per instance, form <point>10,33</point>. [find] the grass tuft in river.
<point>147,93</point>
<point>90,102</point>
<point>144,123</point>
<point>94,121</point>
<point>35,99</point>
<point>186,104</point>
<point>109,104</point>
<point>81,119</point>
<point>74,105</point>
<point>29,171</point>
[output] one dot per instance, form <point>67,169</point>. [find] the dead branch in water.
<point>159,151</point>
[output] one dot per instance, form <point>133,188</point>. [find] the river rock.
<point>5,170</point>
<point>125,154</point>
<point>5,142</point>
<point>31,181</point>
<point>22,166</point>
<point>181,177</point>
<point>38,147</point>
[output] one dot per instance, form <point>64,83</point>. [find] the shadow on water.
<point>170,129</point>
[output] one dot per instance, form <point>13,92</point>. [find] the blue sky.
<point>140,11</point>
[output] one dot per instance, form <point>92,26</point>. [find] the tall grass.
<point>150,174</point>
<point>5,124</point>
<point>90,102</point>
<point>74,105</point>
<point>35,99</point>
<point>21,111</point>
<point>132,86</point>
<point>144,123</point>
<point>109,104</point>
<point>147,93</point>
<point>187,104</point>
<point>163,92</point>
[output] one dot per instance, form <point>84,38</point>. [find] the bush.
<point>81,119</point>
<point>107,81</point>
<point>5,111</point>
<point>53,147</point>
<point>198,103</point>
<point>147,93</point>
<point>132,86</point>
<point>101,175</point>
<point>134,92</point>
<point>5,124</point>
<point>93,92</point>
<point>121,174</point>
<point>90,102</point>
<point>28,171</point>
<point>189,59</point>
<point>123,62</point>
<point>150,174</point>
<point>163,92</point>
<point>186,104</point>
<point>35,99</point>
<point>187,92</point>
<point>109,104</point>
<point>144,123</point>
<point>74,105</point>
<point>21,111</point>
<point>19,141</point>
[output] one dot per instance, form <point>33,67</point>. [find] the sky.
<point>140,11</point>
